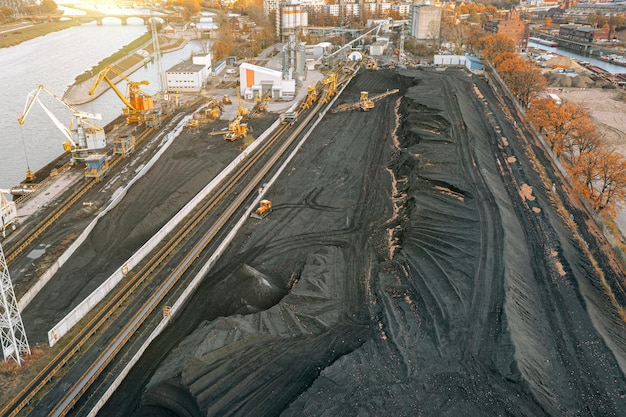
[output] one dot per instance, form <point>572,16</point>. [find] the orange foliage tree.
<point>601,177</point>
<point>523,78</point>
<point>598,173</point>
<point>557,122</point>
<point>494,45</point>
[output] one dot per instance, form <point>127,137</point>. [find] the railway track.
<point>24,242</point>
<point>151,269</point>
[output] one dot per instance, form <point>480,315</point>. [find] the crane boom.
<point>136,102</point>
<point>81,134</point>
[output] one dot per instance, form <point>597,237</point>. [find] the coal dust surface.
<point>413,265</point>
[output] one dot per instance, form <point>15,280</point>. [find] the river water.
<point>55,60</point>
<point>612,68</point>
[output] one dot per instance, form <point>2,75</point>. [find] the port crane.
<point>8,213</point>
<point>365,103</point>
<point>82,134</point>
<point>138,106</point>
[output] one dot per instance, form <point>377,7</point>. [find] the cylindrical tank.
<point>291,17</point>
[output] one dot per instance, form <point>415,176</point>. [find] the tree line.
<point>597,172</point>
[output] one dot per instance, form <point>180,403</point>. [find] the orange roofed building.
<point>511,26</point>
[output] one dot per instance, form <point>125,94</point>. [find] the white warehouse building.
<point>189,76</point>
<point>257,80</point>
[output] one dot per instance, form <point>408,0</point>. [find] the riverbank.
<point>15,33</point>
<point>78,93</point>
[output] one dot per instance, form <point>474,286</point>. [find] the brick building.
<point>511,26</point>
<point>584,33</point>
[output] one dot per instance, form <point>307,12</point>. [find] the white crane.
<point>8,213</point>
<point>82,135</point>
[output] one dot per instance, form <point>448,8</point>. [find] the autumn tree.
<point>494,45</point>
<point>601,177</point>
<point>523,78</point>
<point>556,122</point>
<point>547,22</point>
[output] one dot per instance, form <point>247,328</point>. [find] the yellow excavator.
<point>138,105</point>
<point>236,128</point>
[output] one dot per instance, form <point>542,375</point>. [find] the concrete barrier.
<point>190,289</point>
<point>63,326</point>
<point>83,308</point>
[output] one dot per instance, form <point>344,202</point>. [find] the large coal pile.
<point>417,287</point>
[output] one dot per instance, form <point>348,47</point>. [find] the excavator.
<point>365,103</point>
<point>83,136</point>
<point>138,105</point>
<point>236,128</point>
<point>261,103</point>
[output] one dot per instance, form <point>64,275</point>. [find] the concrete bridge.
<point>91,15</point>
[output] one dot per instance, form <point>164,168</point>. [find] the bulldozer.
<point>265,208</point>
<point>226,100</point>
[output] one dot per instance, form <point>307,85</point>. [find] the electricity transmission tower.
<point>12,334</point>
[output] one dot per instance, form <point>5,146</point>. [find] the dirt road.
<point>426,272</point>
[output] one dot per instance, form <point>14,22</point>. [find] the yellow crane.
<point>138,105</point>
<point>365,103</point>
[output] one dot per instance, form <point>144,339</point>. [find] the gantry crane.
<point>82,135</point>
<point>365,103</point>
<point>138,105</point>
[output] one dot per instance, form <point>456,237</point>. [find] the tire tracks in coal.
<point>485,310</point>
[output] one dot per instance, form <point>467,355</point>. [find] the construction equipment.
<point>371,64</point>
<point>138,105</point>
<point>82,135</point>
<point>330,83</point>
<point>236,128</point>
<point>265,208</point>
<point>96,166</point>
<point>8,213</point>
<point>365,103</point>
<point>311,97</point>
<point>226,100</point>
<point>261,102</point>
<point>241,110</point>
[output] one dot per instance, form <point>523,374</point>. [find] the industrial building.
<point>425,22</point>
<point>472,63</point>
<point>256,80</point>
<point>188,76</point>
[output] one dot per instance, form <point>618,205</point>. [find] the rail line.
<point>108,354</point>
<point>34,232</point>
<point>151,269</point>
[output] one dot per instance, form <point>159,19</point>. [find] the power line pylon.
<point>12,334</point>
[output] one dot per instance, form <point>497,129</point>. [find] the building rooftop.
<point>186,66</point>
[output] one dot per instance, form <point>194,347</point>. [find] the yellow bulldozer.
<point>265,208</point>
